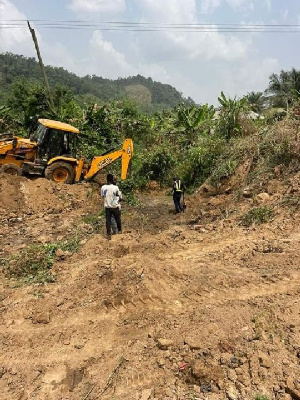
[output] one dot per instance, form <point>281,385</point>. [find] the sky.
<point>201,47</point>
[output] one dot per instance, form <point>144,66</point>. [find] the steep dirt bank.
<point>194,306</point>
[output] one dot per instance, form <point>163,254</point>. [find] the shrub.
<point>291,201</point>
<point>128,188</point>
<point>223,170</point>
<point>258,215</point>
<point>201,160</point>
<point>282,153</point>
<point>157,165</point>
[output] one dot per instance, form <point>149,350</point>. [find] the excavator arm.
<point>100,162</point>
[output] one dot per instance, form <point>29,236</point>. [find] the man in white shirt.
<point>113,221</point>
<point>112,196</point>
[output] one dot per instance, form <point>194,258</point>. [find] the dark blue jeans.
<point>176,199</point>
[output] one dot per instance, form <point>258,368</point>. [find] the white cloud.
<point>246,5</point>
<point>13,39</point>
<point>269,4</point>
<point>285,14</point>
<point>98,6</point>
<point>172,11</point>
<point>107,61</point>
<point>209,6</point>
<point>253,75</point>
<point>191,45</point>
<point>239,3</point>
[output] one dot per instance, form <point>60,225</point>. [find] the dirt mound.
<point>11,198</point>
<point>19,194</point>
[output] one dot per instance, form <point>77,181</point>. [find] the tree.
<point>256,101</point>
<point>283,88</point>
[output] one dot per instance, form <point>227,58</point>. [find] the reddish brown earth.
<point>193,306</point>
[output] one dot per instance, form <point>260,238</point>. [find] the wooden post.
<point>34,38</point>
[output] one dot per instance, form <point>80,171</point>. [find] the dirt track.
<point>162,311</point>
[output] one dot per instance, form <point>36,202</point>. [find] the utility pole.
<point>34,38</point>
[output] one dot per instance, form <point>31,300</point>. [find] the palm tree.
<point>283,87</point>
<point>256,101</point>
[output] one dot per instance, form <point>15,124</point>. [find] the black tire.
<point>11,169</point>
<point>60,172</point>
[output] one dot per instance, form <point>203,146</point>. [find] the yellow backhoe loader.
<point>51,152</point>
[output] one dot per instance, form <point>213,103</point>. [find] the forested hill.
<point>149,95</point>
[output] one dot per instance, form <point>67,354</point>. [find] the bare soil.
<point>189,306</point>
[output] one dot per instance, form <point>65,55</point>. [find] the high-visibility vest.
<point>177,186</point>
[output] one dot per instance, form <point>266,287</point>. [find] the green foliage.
<point>191,120</point>
<point>71,244</point>
<point>229,124</point>
<point>201,159</point>
<point>95,220</point>
<point>224,169</point>
<point>150,96</point>
<point>292,201</point>
<point>282,153</point>
<point>4,110</point>
<point>273,115</point>
<point>157,165</point>
<point>258,215</point>
<point>284,88</point>
<point>256,101</point>
<point>261,397</point>
<point>128,188</point>
<point>277,149</point>
<point>32,264</point>
<point>29,102</point>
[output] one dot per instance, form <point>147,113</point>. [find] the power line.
<point>152,26</point>
<point>142,23</point>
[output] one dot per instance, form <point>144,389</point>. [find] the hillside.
<point>149,95</point>
<point>201,305</point>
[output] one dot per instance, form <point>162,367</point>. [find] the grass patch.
<point>261,397</point>
<point>257,215</point>
<point>96,221</point>
<point>71,244</point>
<point>32,265</point>
<point>265,323</point>
<point>291,201</point>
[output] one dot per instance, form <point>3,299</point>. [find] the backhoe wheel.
<point>11,169</point>
<point>60,172</point>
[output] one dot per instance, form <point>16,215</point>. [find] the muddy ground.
<point>189,306</point>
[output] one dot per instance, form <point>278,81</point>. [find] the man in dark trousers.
<point>178,190</point>
<point>112,195</point>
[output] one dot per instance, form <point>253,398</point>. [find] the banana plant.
<point>194,120</point>
<point>230,110</point>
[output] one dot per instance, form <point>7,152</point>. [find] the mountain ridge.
<point>149,95</point>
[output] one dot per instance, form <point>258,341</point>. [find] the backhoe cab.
<point>51,152</point>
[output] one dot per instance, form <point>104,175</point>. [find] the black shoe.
<point>108,237</point>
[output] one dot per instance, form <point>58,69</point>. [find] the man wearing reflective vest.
<point>178,190</point>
